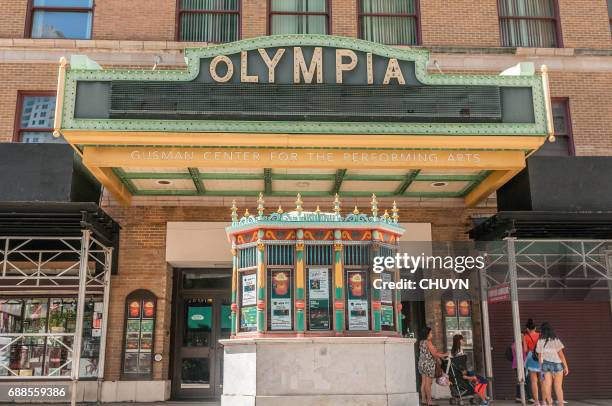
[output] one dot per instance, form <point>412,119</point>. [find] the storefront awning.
<point>317,115</point>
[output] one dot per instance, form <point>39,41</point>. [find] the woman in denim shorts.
<point>552,363</point>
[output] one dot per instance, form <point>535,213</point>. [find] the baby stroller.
<point>461,389</point>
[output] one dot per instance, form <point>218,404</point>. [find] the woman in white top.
<point>552,364</point>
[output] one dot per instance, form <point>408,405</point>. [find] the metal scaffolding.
<point>78,266</point>
<point>550,264</point>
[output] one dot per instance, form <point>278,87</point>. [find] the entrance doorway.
<point>202,317</point>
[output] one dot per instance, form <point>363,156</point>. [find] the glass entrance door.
<point>203,317</point>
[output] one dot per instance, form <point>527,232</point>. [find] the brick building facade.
<point>463,36</point>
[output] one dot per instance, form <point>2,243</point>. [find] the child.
<point>480,385</point>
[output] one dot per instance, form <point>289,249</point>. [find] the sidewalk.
<point>595,402</point>
<point>441,402</point>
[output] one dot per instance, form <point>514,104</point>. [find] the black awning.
<point>544,225</point>
<point>43,219</point>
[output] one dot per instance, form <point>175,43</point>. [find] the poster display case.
<point>357,289</point>
<point>319,299</point>
<point>387,303</point>
<point>280,300</point>
<point>248,298</point>
<point>139,335</point>
<point>458,320</point>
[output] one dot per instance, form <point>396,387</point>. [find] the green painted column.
<point>234,306</point>
<point>339,322</point>
<point>375,296</point>
<point>300,303</point>
<point>261,283</point>
<point>398,302</point>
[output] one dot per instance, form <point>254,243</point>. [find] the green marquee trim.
<point>296,176</point>
<point>309,193</point>
<point>337,179</point>
<point>193,56</point>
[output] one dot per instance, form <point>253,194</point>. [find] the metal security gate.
<point>565,282</point>
<point>586,331</point>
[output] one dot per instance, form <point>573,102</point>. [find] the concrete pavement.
<point>440,402</point>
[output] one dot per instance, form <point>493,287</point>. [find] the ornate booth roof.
<point>317,219</point>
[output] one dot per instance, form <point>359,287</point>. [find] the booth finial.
<point>280,209</point>
<point>246,213</point>
<point>234,211</point>
<point>318,210</point>
<point>395,210</point>
<point>386,215</point>
<point>260,205</point>
<point>374,206</point>
<point>337,205</point>
<point>298,204</point>
<point>356,211</point>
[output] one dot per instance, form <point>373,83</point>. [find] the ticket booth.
<point>305,297</point>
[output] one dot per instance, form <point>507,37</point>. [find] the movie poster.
<point>248,319</point>
<point>249,289</point>
<point>280,300</point>
<point>386,295</point>
<point>387,319</point>
<point>318,299</point>
<point>357,300</point>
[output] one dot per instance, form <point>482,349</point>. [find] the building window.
<point>299,17</point>
<point>209,20</point>
<point>41,355</point>
<point>529,23</point>
<point>140,309</point>
<point>393,22</point>
<point>61,19</point>
<point>35,114</point>
<point>563,145</point>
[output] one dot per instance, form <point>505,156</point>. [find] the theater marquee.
<point>347,115</point>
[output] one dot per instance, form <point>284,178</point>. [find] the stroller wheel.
<point>461,403</point>
<point>473,401</point>
<point>451,401</point>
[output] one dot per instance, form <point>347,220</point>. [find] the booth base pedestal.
<point>372,371</point>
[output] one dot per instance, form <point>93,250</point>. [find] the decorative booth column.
<point>305,310</point>
<point>299,282</point>
<point>261,283</point>
<point>338,284</point>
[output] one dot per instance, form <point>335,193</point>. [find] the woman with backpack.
<point>552,364</point>
<point>532,363</point>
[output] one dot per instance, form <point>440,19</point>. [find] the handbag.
<point>439,371</point>
<point>534,354</point>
